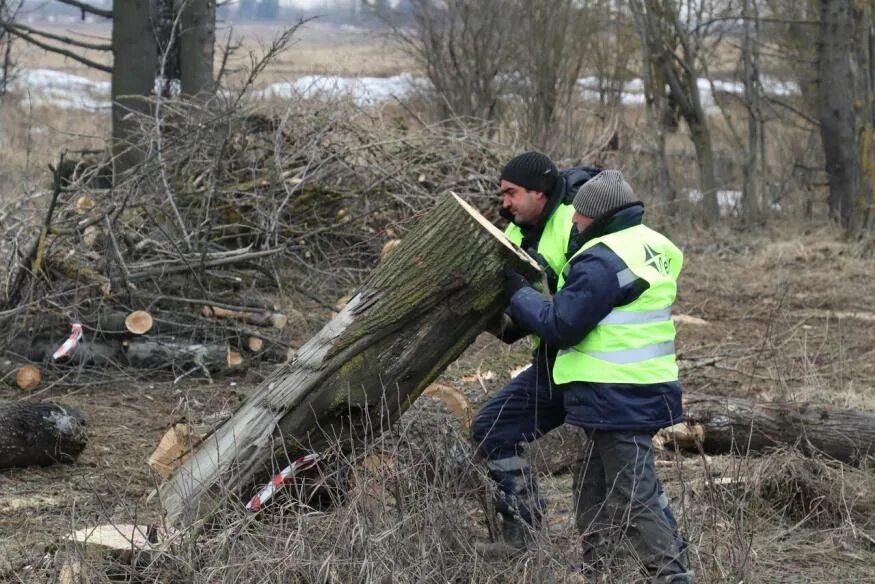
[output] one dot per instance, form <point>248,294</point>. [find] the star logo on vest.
<point>657,260</point>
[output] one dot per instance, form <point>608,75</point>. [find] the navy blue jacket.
<point>592,291</point>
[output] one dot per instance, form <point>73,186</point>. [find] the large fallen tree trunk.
<point>725,425</point>
<point>414,315</point>
<point>40,434</point>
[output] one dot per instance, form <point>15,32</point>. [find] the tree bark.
<point>40,434</point>
<point>414,315</point>
<point>836,96</point>
<point>750,58</point>
<point>197,40</point>
<point>158,354</point>
<point>135,61</point>
<point>739,426</point>
<point>863,70</point>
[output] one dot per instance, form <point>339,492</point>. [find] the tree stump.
<point>415,314</point>
<point>40,434</point>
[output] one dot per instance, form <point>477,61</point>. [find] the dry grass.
<point>323,49</point>
<point>32,138</point>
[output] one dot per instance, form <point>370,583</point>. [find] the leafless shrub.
<point>465,47</point>
<point>8,10</point>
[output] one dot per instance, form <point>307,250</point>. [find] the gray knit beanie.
<point>603,194</point>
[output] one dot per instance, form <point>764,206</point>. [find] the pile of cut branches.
<point>237,235</point>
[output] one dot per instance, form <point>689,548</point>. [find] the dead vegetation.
<point>237,209</point>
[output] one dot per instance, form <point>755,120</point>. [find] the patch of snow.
<point>50,87</point>
<point>728,201</point>
<point>363,90</point>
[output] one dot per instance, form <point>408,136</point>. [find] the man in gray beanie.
<point>606,363</point>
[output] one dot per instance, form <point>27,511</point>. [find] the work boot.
<point>515,538</point>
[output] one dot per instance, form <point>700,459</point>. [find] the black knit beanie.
<point>531,170</point>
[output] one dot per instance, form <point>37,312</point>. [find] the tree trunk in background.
<point>837,119</point>
<point>551,65</point>
<point>750,57</point>
<point>658,117</point>
<point>135,61</point>
<point>167,34</point>
<point>414,315</point>
<point>197,39</point>
<point>665,34</point>
<point>40,434</point>
<point>863,70</point>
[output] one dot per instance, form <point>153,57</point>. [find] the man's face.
<point>525,206</point>
<point>582,221</point>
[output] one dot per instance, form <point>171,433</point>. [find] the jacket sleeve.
<point>591,291</point>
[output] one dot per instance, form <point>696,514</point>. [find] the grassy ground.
<point>778,327</point>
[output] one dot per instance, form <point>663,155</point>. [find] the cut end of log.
<point>235,359</point>
<point>139,322</point>
<point>84,204</point>
<point>254,344</point>
<point>496,232</point>
<point>173,449</point>
<point>28,377</point>
<point>687,319</point>
<point>278,320</point>
<point>684,435</point>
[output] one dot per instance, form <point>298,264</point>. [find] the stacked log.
<point>213,340</point>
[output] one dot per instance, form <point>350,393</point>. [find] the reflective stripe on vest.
<point>634,343</point>
<point>553,244</point>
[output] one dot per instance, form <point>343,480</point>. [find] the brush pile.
<point>230,243</point>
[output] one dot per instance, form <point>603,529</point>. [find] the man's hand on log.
<point>513,281</point>
<point>504,328</point>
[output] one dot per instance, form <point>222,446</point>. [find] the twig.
<point>69,54</point>
<point>63,39</point>
<point>88,8</point>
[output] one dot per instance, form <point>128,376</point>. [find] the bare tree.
<point>670,43</point>
<point>197,40</point>
<point>8,9</point>
<point>750,57</point>
<point>846,111</point>
<point>553,34</point>
<point>144,47</point>
<point>660,118</point>
<point>465,48</point>
<point>135,59</point>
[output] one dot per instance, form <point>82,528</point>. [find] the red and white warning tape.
<point>281,478</point>
<point>72,341</point>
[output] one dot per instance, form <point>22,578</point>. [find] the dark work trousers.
<point>524,409</point>
<point>530,406</point>
<point>620,501</point>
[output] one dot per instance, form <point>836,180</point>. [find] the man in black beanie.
<point>605,363</point>
<point>535,200</point>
